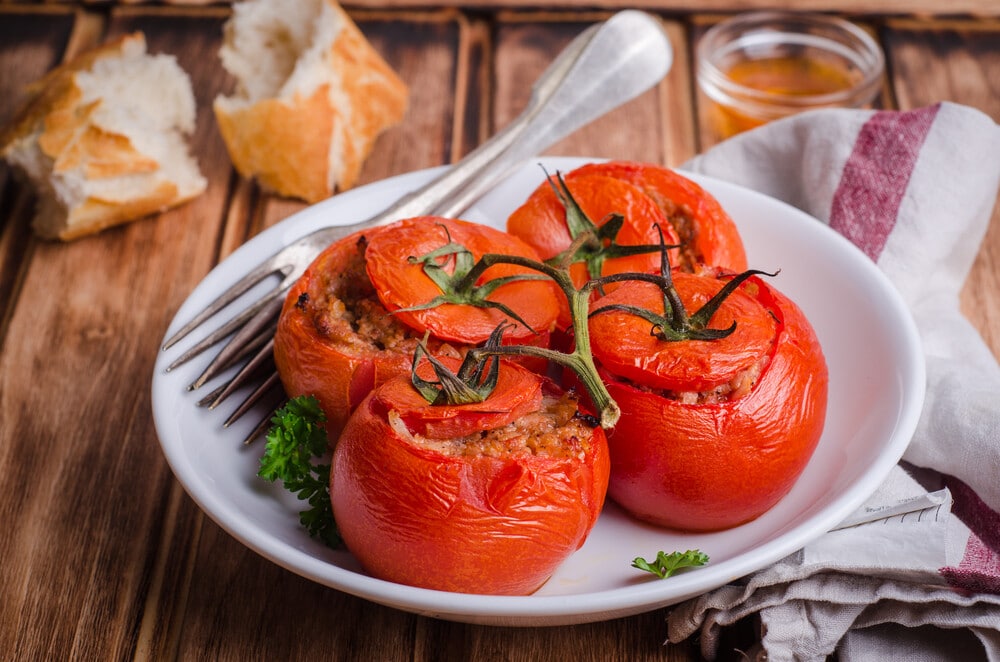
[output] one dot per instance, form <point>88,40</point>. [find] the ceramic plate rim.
<point>534,609</point>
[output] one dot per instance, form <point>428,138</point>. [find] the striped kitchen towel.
<point>914,190</point>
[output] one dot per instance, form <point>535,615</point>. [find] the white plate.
<point>876,392</point>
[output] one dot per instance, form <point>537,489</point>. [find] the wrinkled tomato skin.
<point>706,467</point>
<point>477,524</point>
<point>541,222</point>
<point>401,284</point>
<point>340,376</point>
<point>309,365</point>
<point>715,240</point>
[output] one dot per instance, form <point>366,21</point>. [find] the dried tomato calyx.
<point>456,286</point>
<point>675,324</point>
<point>474,382</point>
<point>591,243</point>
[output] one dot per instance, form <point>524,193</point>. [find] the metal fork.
<point>605,66</point>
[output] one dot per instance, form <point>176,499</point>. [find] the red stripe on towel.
<point>866,202</point>
<point>974,513</point>
<point>979,571</point>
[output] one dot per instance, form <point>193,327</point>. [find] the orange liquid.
<point>787,75</point>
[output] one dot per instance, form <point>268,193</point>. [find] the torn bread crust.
<point>312,96</point>
<point>100,152</point>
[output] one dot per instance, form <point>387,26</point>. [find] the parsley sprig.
<point>667,564</point>
<point>295,439</point>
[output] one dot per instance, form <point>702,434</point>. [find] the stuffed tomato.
<point>487,497</point>
<point>548,221</point>
<point>352,321</point>
<point>647,197</point>
<point>708,235</point>
<point>712,432</point>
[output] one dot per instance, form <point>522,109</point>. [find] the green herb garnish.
<point>296,438</point>
<point>667,564</point>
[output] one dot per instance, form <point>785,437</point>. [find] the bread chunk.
<point>312,96</point>
<point>102,140</point>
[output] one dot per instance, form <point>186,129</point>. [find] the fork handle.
<point>626,56</point>
<point>601,69</point>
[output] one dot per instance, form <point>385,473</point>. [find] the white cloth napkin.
<point>914,190</point>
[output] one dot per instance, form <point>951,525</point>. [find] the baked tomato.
<point>708,235</point>
<point>542,221</point>
<point>712,432</point>
<point>336,340</point>
<point>488,497</point>
<point>404,285</point>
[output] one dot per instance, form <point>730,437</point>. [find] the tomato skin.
<point>401,284</point>
<point>309,365</point>
<point>714,239</point>
<point>469,524</point>
<point>340,374</point>
<point>541,222</point>
<point>710,466</point>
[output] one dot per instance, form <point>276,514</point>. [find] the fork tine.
<point>251,348</point>
<point>236,290</point>
<point>260,428</point>
<point>263,356</point>
<point>238,322</point>
<point>271,384</point>
<point>251,330</point>
<point>208,399</point>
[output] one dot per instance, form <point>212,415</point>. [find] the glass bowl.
<point>761,66</point>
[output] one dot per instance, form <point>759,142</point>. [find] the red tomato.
<point>318,351</point>
<point>712,433</point>
<point>336,340</point>
<point>541,222</point>
<point>471,498</point>
<point>709,234</point>
<point>402,284</point>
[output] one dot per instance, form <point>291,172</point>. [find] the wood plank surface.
<point>109,559</point>
<point>30,45</point>
<point>77,446</point>
<point>974,8</point>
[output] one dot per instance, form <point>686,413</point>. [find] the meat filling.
<point>738,387</point>
<point>683,222</point>
<point>556,430</point>
<point>346,311</point>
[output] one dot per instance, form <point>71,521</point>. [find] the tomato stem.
<point>475,380</point>
<point>591,243</point>
<point>675,324</point>
<point>581,359</point>
<point>456,287</point>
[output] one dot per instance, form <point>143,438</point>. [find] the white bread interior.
<point>312,96</point>
<point>102,140</point>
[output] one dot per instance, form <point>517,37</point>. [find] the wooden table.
<point>104,556</point>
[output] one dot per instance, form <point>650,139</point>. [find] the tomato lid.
<point>541,220</point>
<point>518,392</point>
<point>714,235</point>
<point>624,345</point>
<point>402,283</point>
